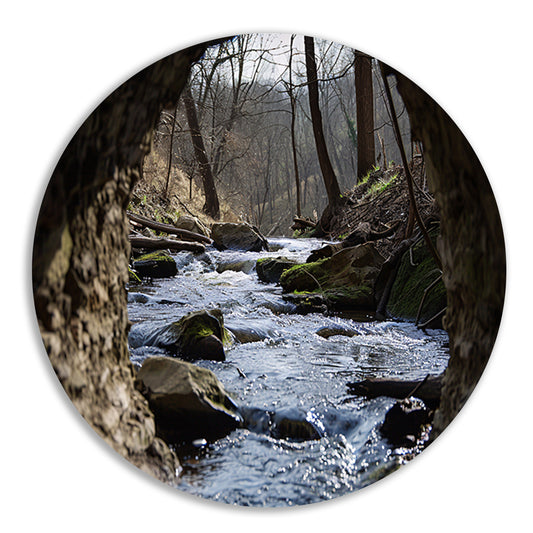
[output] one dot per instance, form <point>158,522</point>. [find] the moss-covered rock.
<point>198,335</point>
<point>188,402</point>
<point>326,251</point>
<point>157,264</point>
<point>270,269</point>
<point>411,282</point>
<point>345,280</point>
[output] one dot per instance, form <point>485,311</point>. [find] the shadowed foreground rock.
<point>404,422</point>
<point>189,402</point>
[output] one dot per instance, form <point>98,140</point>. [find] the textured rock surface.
<point>346,280</point>
<point>232,236</point>
<point>189,402</point>
<point>155,265</point>
<point>197,335</point>
<point>270,269</point>
<point>80,262</point>
<point>471,247</point>
<point>191,224</point>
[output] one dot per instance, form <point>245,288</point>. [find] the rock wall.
<point>80,262</point>
<point>471,247</point>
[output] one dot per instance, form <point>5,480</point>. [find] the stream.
<point>291,370</point>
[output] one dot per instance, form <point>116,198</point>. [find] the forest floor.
<point>381,200</point>
<point>183,197</point>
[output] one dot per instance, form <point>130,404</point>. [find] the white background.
<point>60,59</point>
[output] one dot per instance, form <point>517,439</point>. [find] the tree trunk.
<point>364,104</point>
<point>328,175</point>
<point>169,166</point>
<point>471,246</point>
<point>293,136</point>
<point>80,262</point>
<point>211,206</point>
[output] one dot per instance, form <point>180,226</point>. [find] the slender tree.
<point>364,105</point>
<point>211,206</point>
<point>170,151</point>
<point>328,174</point>
<point>293,133</point>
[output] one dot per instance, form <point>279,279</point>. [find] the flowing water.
<point>291,370</point>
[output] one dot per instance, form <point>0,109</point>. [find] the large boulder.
<point>326,251</point>
<point>270,269</point>
<point>197,335</point>
<point>191,224</point>
<point>232,236</point>
<point>188,402</point>
<point>346,280</point>
<point>157,264</point>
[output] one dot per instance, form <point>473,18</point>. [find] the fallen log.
<point>167,228</point>
<point>428,390</point>
<point>160,243</point>
<point>302,223</point>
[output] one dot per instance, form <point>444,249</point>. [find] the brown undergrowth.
<point>151,199</point>
<point>381,200</point>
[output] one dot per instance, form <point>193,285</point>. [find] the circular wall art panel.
<point>268,270</point>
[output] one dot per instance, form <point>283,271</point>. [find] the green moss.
<point>308,276</point>
<point>156,256</point>
<point>350,296</point>
<point>411,282</point>
<point>344,281</point>
<point>204,324</point>
<point>304,234</point>
<point>380,186</point>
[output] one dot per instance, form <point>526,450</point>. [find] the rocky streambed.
<point>291,430</point>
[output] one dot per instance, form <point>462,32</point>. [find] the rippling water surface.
<point>292,370</point>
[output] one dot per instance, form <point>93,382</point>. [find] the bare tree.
<point>364,102</point>
<point>170,151</point>
<point>293,134</point>
<point>211,206</point>
<point>328,175</point>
